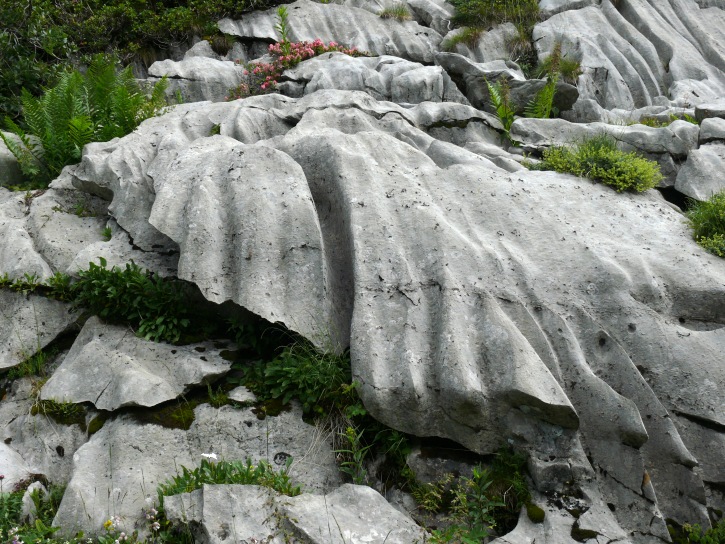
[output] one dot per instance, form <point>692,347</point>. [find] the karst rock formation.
<point>370,204</point>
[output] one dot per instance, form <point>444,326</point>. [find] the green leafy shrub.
<point>79,109</point>
<point>134,296</point>
<point>599,159</point>
<point>707,220</point>
<point>486,13</point>
<point>468,36</point>
<point>320,381</point>
<point>229,472</point>
<point>556,63</point>
<point>693,534</point>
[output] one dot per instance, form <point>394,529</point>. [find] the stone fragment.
<point>712,129</point>
<point>710,109</point>
<point>198,78</point>
<point>350,514</point>
<point>704,172</point>
<point>135,372</point>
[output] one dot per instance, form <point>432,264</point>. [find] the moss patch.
<point>64,413</point>
<point>536,513</point>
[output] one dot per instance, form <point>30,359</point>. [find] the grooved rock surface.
<point>535,308</point>
<point>198,78</point>
<point>135,372</point>
<point>642,49</point>
<point>350,26</point>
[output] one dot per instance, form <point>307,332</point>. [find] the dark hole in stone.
<point>602,341</point>
<point>200,349</point>
<point>611,506</point>
<point>248,423</point>
<point>60,451</point>
<point>173,351</point>
<point>632,327</point>
<point>682,320</point>
<point>675,197</point>
<point>202,358</point>
<point>281,458</point>
<point>8,440</point>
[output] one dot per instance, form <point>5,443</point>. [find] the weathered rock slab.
<point>350,514</point>
<point>712,129</point>
<point>135,372</point>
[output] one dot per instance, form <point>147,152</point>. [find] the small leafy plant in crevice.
<point>64,413</point>
<point>500,95</point>
<point>133,295</point>
<point>707,220</point>
<point>695,534</point>
<point>97,106</point>
<point>599,159</point>
<point>566,68</point>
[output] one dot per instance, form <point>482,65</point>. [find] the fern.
<point>542,104</point>
<point>499,95</point>
<point>101,105</point>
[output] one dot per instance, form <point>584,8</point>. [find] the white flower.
<point>209,456</point>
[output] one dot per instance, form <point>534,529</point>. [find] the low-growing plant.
<point>352,455</point>
<point>65,413</point>
<point>211,471</point>
<point>599,159</point>
<point>557,63</point>
<point>468,36</point>
<point>35,365</point>
<point>96,106</point>
<point>133,295</point>
<point>107,233</point>
<point>218,397</point>
<point>694,534</point>
<point>263,77</point>
<point>399,12</point>
<point>500,96</point>
<point>707,220</point>
<point>319,380</point>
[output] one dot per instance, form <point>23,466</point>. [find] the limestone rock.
<point>351,513</point>
<point>712,129</point>
<point>532,307</point>
<point>123,463</point>
<point>704,172</point>
<point>626,60</point>
<point>10,173</point>
<point>135,372</point>
<point>28,323</point>
<point>349,26</point>
<point>45,446</point>
<point>552,7</point>
<point>678,139</point>
<point>710,109</point>
<point>217,511</point>
<point>490,46</point>
<point>198,78</point>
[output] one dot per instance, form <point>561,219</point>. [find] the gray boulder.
<point>348,26</point>
<point>351,514</point>
<point>29,323</point>
<point>45,446</point>
<point>710,109</point>
<point>712,129</point>
<point>198,78</point>
<point>677,139</point>
<point>10,173</point>
<point>121,465</point>
<point>548,8</point>
<point>135,372</point>
<point>491,45</point>
<point>216,512</point>
<point>704,172</point>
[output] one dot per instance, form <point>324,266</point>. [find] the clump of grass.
<point>64,413</point>
<point>468,36</point>
<point>34,365</point>
<point>229,472</point>
<point>557,63</point>
<point>399,12</point>
<point>707,220</point>
<point>599,159</point>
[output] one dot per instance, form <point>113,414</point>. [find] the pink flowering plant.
<point>263,77</point>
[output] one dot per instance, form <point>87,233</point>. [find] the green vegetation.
<point>64,413</point>
<point>96,106</point>
<point>398,12</point>
<point>33,365</point>
<point>599,159</point>
<point>229,472</point>
<point>154,304</point>
<point>468,36</point>
<point>500,94</point>
<point>694,534</point>
<point>556,63</point>
<point>707,220</point>
<point>654,122</point>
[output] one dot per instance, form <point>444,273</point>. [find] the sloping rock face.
<point>633,51</point>
<point>535,308</point>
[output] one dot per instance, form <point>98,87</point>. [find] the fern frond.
<point>541,105</point>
